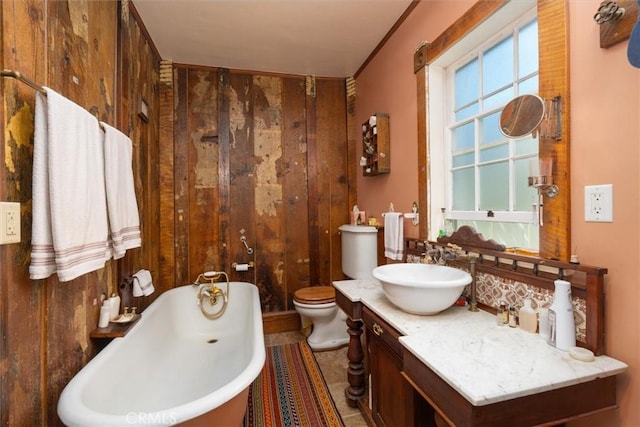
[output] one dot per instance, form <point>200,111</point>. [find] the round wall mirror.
<point>521,116</point>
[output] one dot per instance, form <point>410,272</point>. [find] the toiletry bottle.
<point>105,312</point>
<point>527,317</point>
<point>543,322</point>
<point>562,325</point>
<point>442,232</point>
<point>513,320</point>
<point>114,303</point>
<point>502,316</point>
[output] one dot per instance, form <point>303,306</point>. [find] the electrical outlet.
<point>9,223</point>
<point>598,203</point>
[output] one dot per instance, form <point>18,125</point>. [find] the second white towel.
<point>393,235</point>
<point>124,221</point>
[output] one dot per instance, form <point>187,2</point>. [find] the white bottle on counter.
<point>105,312</point>
<point>528,318</point>
<point>562,325</point>
<point>114,304</point>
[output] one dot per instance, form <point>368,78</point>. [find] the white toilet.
<point>317,304</point>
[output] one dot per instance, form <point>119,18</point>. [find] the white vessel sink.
<point>421,288</point>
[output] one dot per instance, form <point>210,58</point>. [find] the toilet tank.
<point>359,250</point>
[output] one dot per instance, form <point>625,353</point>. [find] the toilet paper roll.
<point>242,267</point>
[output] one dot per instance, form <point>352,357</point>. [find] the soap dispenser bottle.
<point>562,326</point>
<point>528,318</point>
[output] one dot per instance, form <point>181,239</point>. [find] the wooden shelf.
<point>376,145</point>
<point>114,330</point>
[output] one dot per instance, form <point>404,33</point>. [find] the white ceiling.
<point>330,38</point>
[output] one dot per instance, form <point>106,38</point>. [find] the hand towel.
<point>142,283</point>
<point>43,260</point>
<point>122,207</point>
<point>69,192</point>
<point>393,235</point>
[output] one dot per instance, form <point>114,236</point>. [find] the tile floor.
<point>333,365</point>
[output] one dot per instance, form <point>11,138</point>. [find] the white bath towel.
<point>70,213</point>
<point>142,283</point>
<point>393,235</point>
<point>122,207</point>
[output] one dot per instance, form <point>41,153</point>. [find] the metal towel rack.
<point>18,76</point>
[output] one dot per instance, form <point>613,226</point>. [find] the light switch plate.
<point>598,203</point>
<point>9,223</point>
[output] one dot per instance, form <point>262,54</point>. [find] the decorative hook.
<point>609,11</point>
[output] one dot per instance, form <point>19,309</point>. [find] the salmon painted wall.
<point>605,128</point>
<point>388,85</point>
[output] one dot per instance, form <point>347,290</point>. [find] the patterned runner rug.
<point>291,391</point>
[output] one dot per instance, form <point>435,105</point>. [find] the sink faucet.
<point>455,252</point>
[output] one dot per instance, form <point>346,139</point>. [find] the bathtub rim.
<point>72,411</point>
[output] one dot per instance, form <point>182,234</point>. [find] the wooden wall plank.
<point>203,159</point>
<point>313,182</point>
<point>181,179</point>
<point>296,222</point>
<point>166,165</point>
<point>74,70</point>
<point>268,157</point>
<point>241,181</point>
<point>45,327</point>
<point>22,306</point>
<point>224,176</point>
<point>332,138</point>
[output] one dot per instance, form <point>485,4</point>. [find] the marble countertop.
<point>482,361</point>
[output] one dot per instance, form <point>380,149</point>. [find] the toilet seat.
<point>313,295</point>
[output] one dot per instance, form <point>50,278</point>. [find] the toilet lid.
<point>315,295</point>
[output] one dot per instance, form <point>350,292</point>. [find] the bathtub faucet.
<point>210,292</point>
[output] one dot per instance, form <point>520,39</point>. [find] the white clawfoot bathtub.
<point>174,366</point>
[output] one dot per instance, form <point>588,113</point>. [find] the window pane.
<point>528,49</point>
<point>494,152</point>
<point>494,187</point>
<point>467,112</point>
<point>529,86</point>
<point>463,160</point>
<point>500,98</point>
<point>489,127</point>
<point>463,189</point>
<point>525,196</point>
<point>497,66</point>
<point>463,138</point>
<point>528,145</point>
<point>466,84</point>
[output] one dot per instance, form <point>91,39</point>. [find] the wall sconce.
<point>542,179</point>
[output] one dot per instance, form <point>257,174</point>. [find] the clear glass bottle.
<point>442,231</point>
<point>502,316</point>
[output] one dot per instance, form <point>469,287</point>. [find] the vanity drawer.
<point>382,330</point>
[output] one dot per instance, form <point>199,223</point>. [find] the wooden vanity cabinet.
<point>394,402</point>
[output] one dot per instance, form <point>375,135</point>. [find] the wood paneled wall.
<point>223,154</point>
<point>262,157</point>
<point>75,48</point>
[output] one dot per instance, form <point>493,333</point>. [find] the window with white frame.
<point>485,183</point>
